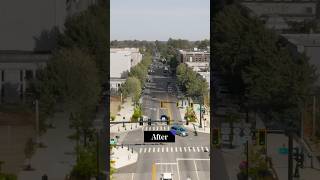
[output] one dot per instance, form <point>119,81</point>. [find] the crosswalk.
<point>196,149</point>
<point>156,128</point>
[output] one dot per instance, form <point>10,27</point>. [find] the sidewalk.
<point>280,162</point>
<point>205,124</point>
<point>58,158</point>
<point>126,112</point>
<point>123,157</point>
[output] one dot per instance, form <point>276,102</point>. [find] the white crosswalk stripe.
<point>174,149</point>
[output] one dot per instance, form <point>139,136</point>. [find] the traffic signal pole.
<point>290,152</point>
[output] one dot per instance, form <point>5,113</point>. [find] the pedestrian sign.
<point>113,142</point>
<point>283,151</point>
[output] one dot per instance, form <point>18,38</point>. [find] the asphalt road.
<point>187,157</point>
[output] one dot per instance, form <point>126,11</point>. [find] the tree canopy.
<point>260,67</point>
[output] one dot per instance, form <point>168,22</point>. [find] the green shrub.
<point>113,117</point>
<point>4,176</point>
<point>137,113</point>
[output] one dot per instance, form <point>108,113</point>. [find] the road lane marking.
<point>140,150</point>
<point>162,149</point>
<point>202,148</point>
<point>198,149</point>
<point>158,149</point>
<point>132,176</point>
<point>207,149</point>
<point>176,149</point>
<point>154,171</point>
<point>189,149</point>
<point>145,150</point>
<point>167,149</point>
<point>194,150</point>
<point>178,170</point>
<point>153,150</point>
<point>185,149</point>
<point>149,149</point>
<point>171,149</point>
<point>180,149</point>
<point>195,165</point>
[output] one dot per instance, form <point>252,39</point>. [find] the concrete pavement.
<point>123,157</point>
<point>58,158</point>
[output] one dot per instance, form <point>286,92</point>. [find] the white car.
<point>166,176</point>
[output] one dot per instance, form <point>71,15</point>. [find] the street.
<point>187,157</point>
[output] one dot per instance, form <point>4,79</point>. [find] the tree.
<point>132,87</point>
<point>259,65</point>
<point>203,44</point>
<point>86,166</point>
<point>87,31</point>
<point>29,150</point>
<point>75,81</point>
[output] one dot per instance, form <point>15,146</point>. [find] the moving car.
<point>166,176</point>
<point>181,131</point>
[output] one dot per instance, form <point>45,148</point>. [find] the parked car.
<point>181,131</point>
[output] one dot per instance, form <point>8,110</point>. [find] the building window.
<point>2,92</point>
<point>29,75</point>
<point>2,75</point>
<point>21,75</point>
<point>21,91</point>
<point>309,10</point>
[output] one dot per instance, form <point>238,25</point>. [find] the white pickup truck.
<point>166,176</point>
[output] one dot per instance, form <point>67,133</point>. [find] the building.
<point>121,61</point>
<point>28,31</point>
<point>199,61</point>
<point>277,14</point>
<point>17,69</point>
<point>308,43</point>
<point>76,6</point>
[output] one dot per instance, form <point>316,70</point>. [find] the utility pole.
<point>98,162</point>
<point>37,122</point>
<point>290,155</point>
<point>247,145</point>
<point>200,112</point>
<point>314,118</point>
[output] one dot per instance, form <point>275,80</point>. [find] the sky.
<point>159,19</point>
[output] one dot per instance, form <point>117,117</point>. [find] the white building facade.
<point>199,61</point>
<point>121,61</point>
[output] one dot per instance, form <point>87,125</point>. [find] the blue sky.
<point>159,19</point>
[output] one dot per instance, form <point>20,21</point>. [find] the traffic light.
<point>149,122</point>
<point>262,137</point>
<point>177,104</point>
<point>161,104</point>
<point>191,104</point>
<point>216,136</point>
<point>141,121</point>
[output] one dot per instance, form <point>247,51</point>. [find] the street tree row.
<point>262,71</point>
